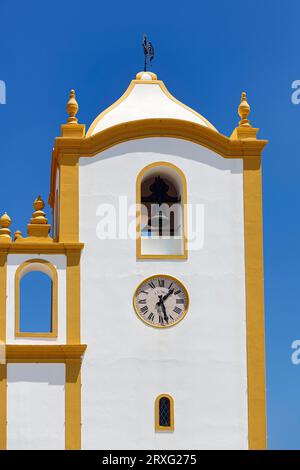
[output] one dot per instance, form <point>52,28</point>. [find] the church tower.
<point>155,338</point>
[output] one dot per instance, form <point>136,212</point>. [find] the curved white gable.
<point>145,98</point>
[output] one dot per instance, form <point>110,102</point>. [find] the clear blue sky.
<point>207,53</point>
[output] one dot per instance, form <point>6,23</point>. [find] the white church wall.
<point>13,262</point>
<point>201,362</point>
<point>35,406</point>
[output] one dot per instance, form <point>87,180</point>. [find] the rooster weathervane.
<point>148,52</point>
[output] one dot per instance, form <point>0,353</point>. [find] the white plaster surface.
<point>35,406</point>
<point>201,361</point>
<point>13,262</point>
<point>146,101</point>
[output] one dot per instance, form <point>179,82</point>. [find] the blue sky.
<point>207,53</point>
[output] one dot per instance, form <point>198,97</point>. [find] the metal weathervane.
<point>148,52</point>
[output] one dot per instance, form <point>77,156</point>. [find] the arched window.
<point>36,299</point>
<point>164,413</point>
<point>161,212</point>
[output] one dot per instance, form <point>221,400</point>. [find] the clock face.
<point>161,301</point>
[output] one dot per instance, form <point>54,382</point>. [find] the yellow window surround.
<point>139,181</point>
<point>159,428</point>
<point>47,268</point>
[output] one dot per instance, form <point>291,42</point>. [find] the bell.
<point>159,219</point>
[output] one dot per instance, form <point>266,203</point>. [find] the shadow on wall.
<point>173,147</point>
<point>53,374</point>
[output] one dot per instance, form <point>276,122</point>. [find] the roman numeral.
<point>142,301</point>
<point>151,284</point>
<point>177,292</point>
<point>160,319</point>
<point>180,301</point>
<point>144,309</point>
<point>171,317</point>
<point>170,285</point>
<point>151,316</point>
<point>177,310</point>
<point>161,282</point>
<point>144,292</point>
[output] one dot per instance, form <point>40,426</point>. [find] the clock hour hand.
<point>161,303</point>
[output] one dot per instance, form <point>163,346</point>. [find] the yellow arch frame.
<point>139,179</point>
<point>50,270</point>
<point>159,428</point>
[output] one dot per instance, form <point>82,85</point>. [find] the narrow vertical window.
<point>164,413</point>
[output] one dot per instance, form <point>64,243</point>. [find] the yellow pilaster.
<point>3,367</point>
<point>255,304</point>
<point>73,404</point>
<point>69,199</point>
<point>73,297</point>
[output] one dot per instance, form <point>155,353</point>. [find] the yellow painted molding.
<point>244,133</point>
<point>145,128</point>
<point>20,246</point>
<point>255,304</point>
<point>69,199</point>
<point>3,368</point>
<point>3,406</point>
<point>44,353</point>
<point>3,282</point>
<point>50,270</point>
<point>159,428</point>
<point>73,130</point>
<point>73,297</point>
<point>139,180</point>
<point>73,405</point>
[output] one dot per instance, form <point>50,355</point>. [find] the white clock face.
<point>161,301</point>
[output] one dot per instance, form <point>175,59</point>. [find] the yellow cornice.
<point>40,247</point>
<point>43,353</point>
<point>145,128</point>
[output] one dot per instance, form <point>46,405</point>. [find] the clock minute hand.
<point>168,294</point>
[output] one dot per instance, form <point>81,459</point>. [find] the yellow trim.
<point>3,406</point>
<point>73,297</point>
<point>155,276</point>
<point>3,276</point>
<point>41,248</point>
<point>73,405</point>
<point>141,129</point>
<point>255,304</point>
<point>159,428</point>
<point>69,198</point>
<point>18,276</point>
<point>125,95</point>
<point>139,179</point>
<point>3,367</point>
<point>51,353</point>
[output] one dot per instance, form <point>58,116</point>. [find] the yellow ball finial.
<point>5,222</point>
<point>18,235</point>
<point>38,204</point>
<point>72,108</point>
<point>38,217</point>
<point>244,110</point>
